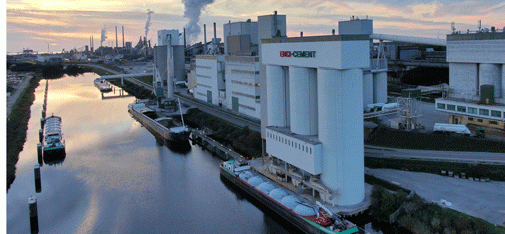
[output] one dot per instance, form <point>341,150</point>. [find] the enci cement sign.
<point>298,54</point>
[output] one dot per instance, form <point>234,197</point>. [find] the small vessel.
<point>103,85</point>
<point>166,130</point>
<point>303,214</point>
<point>54,145</point>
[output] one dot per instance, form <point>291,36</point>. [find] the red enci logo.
<point>285,53</point>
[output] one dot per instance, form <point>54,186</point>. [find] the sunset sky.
<point>68,24</point>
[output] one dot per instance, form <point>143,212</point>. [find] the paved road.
<point>485,200</point>
<point>459,156</point>
<point>254,124</point>
<point>14,97</point>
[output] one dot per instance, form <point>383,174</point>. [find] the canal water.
<point>116,179</point>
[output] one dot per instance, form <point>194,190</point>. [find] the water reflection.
<point>115,179</point>
<point>54,159</point>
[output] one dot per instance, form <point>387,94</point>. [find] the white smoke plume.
<point>192,11</point>
<point>104,37</point>
<point>148,22</point>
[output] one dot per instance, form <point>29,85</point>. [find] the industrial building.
<point>476,79</point>
<point>315,91</point>
<point>50,58</point>
<point>232,80</point>
<point>168,63</point>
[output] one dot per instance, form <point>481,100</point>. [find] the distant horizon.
<point>69,24</point>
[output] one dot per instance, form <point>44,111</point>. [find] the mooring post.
<point>34,219</point>
<point>39,153</point>
<point>38,185</point>
<point>42,122</point>
<point>41,135</point>
<point>43,113</point>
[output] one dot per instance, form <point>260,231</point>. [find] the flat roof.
<point>476,36</point>
<point>357,37</point>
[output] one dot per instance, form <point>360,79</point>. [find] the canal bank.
<point>116,179</point>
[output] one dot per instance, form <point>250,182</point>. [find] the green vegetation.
<point>49,71</point>
<point>100,71</point>
<point>242,140</point>
<point>133,89</point>
<point>145,79</point>
<point>17,125</point>
<point>421,217</point>
<point>394,138</point>
<point>493,172</point>
<point>385,203</point>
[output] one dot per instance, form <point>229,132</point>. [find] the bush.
<point>17,125</point>
<point>242,140</point>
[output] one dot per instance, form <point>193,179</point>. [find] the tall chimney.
<point>116,38</point>
<point>205,37</point>
<point>215,31</point>
<point>184,38</point>
<point>92,44</point>
<point>333,32</point>
<point>123,35</point>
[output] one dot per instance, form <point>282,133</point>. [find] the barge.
<point>166,130</point>
<point>54,145</point>
<point>304,215</point>
<point>103,85</point>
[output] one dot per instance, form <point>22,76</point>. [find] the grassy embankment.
<point>17,125</point>
<point>422,217</point>
<point>393,138</point>
<point>242,140</point>
<point>145,79</point>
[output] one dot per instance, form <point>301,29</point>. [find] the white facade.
<point>165,35</point>
<point>315,91</point>
<point>242,85</point>
<point>210,78</point>
<point>474,60</point>
<point>247,28</point>
<point>49,58</point>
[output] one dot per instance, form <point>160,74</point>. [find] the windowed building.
<point>476,79</point>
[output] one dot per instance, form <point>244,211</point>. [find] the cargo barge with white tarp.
<point>303,214</point>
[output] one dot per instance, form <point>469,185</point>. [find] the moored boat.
<point>303,214</point>
<point>103,85</point>
<point>54,145</point>
<point>167,130</point>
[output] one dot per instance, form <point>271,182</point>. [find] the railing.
<point>378,64</point>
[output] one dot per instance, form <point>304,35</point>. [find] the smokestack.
<point>333,32</point>
<point>205,37</point>
<point>123,34</point>
<point>92,44</point>
<point>116,38</point>
<point>301,34</point>
<point>215,31</point>
<point>184,38</point>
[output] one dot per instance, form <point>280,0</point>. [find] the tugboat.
<point>54,145</point>
<point>303,214</point>
<point>103,85</point>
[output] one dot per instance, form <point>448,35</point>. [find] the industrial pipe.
<point>417,40</point>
